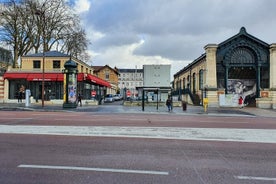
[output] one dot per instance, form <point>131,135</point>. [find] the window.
<point>201,79</point>
<point>106,75</point>
<point>36,64</point>
<point>194,83</point>
<point>56,64</point>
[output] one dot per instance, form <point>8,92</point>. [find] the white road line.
<point>81,120</point>
<point>93,169</point>
<point>201,134</point>
<point>255,178</point>
<point>2,118</point>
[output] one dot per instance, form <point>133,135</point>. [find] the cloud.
<point>82,6</point>
<point>135,32</point>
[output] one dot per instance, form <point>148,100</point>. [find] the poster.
<point>245,88</point>
<point>72,88</point>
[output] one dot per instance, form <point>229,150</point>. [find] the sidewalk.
<point>191,110</point>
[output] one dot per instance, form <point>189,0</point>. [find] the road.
<point>86,147</point>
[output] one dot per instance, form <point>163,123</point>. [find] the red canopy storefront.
<point>53,84</point>
<point>55,77</point>
<point>93,79</point>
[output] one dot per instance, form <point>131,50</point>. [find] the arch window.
<point>194,83</point>
<point>200,81</point>
<point>188,82</point>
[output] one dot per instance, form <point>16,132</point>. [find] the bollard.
<point>205,104</point>
<point>184,105</point>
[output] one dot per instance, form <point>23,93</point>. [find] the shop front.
<point>53,85</point>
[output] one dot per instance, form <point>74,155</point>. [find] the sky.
<point>131,33</point>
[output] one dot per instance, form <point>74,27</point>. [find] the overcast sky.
<point>131,33</point>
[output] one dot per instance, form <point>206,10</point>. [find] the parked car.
<point>117,97</point>
<point>108,98</point>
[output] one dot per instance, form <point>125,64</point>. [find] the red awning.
<point>35,76</point>
<point>15,75</point>
<point>56,77</point>
<point>47,77</point>
<point>97,80</point>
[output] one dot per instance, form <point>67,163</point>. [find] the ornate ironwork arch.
<point>242,55</point>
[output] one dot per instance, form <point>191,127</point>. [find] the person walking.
<point>169,104</point>
<point>79,99</point>
<point>20,94</point>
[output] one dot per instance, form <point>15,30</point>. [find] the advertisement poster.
<point>72,89</point>
<point>64,88</point>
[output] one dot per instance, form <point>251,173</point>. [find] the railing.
<point>185,91</point>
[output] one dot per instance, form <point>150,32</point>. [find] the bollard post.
<point>205,104</point>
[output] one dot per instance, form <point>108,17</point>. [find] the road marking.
<point>200,134</point>
<point>2,118</point>
<point>93,169</point>
<point>254,178</point>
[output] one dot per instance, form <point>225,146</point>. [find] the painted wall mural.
<point>236,88</point>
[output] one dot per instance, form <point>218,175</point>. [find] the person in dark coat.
<point>79,99</point>
<point>169,104</point>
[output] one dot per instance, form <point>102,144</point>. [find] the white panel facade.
<point>157,75</point>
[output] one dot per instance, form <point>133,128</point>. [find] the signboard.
<point>128,93</point>
<point>93,93</point>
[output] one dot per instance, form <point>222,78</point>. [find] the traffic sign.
<point>93,93</point>
<point>128,93</point>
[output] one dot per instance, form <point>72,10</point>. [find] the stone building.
<point>242,65</point>
<point>108,74</point>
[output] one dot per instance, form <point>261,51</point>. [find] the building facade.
<point>49,66</point>
<point>108,74</point>
<point>241,66</point>
<point>129,80</point>
<point>5,62</point>
<point>156,84</point>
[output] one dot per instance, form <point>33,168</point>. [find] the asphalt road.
<point>41,147</point>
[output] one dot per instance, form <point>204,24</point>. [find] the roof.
<point>191,64</point>
<point>99,68</point>
<point>127,70</point>
<point>243,32</point>
<point>48,54</point>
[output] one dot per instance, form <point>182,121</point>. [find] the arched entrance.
<point>242,75</point>
<point>242,66</point>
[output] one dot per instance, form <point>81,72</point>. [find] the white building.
<point>156,82</point>
<point>129,79</point>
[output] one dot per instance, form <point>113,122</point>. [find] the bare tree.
<point>76,44</point>
<point>15,30</point>
<point>41,25</point>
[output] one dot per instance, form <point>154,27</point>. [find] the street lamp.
<point>42,17</point>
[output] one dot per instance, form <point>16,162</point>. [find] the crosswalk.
<point>180,133</point>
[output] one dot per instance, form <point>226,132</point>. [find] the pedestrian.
<point>169,104</point>
<point>241,102</point>
<point>79,99</point>
<point>20,94</point>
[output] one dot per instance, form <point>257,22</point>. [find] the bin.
<point>184,106</point>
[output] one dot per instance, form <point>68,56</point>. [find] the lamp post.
<point>42,17</point>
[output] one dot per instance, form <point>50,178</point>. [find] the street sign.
<point>93,93</point>
<point>128,93</point>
